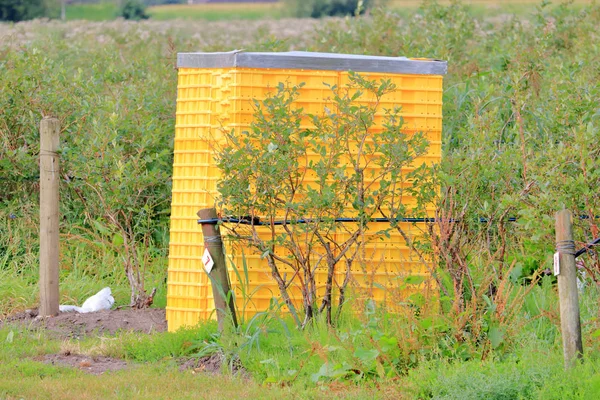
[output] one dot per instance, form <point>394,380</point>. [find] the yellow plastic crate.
<point>216,91</point>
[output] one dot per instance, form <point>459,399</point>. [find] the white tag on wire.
<point>207,261</point>
<point>556,263</point>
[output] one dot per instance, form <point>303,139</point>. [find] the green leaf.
<point>496,336</point>
<point>10,336</point>
<point>366,355</point>
<point>380,370</point>
<point>117,240</point>
<point>417,299</point>
<point>270,379</point>
<point>414,279</point>
<point>387,343</point>
<point>426,323</point>
<point>101,228</point>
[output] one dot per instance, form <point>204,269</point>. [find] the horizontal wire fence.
<point>258,222</point>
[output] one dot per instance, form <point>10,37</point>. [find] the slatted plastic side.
<point>194,187</point>
<point>385,262</point>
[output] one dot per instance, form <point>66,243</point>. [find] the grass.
<point>216,12</point>
<point>482,8</point>
<point>30,379</point>
<point>283,365</point>
<point>154,373</point>
<point>102,11</point>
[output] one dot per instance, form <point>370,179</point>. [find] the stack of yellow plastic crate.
<point>216,91</point>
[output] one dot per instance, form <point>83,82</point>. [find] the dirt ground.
<point>73,325</point>
<point>96,365</point>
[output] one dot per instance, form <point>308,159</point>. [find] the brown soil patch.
<point>96,365</point>
<point>75,325</point>
<point>212,364</point>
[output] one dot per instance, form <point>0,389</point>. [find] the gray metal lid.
<point>314,61</point>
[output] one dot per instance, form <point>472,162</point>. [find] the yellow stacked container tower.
<point>217,91</point>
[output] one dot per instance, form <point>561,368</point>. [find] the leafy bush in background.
<point>134,10</point>
<point>514,102</point>
<point>324,8</point>
<point>21,10</point>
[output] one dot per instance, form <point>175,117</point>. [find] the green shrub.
<point>324,8</point>
<point>134,9</point>
<point>21,10</point>
<point>265,174</point>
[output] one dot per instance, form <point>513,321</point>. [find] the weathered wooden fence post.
<point>567,289</point>
<point>214,263</point>
<point>49,180</point>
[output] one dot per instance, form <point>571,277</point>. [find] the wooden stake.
<point>567,289</point>
<point>218,273</point>
<point>49,179</point>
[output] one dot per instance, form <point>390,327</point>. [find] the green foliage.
<point>518,112</point>
<point>482,380</point>
<point>21,10</point>
<point>164,345</point>
<point>18,343</point>
<point>115,181</point>
<point>520,139</point>
<point>324,8</point>
<point>134,10</point>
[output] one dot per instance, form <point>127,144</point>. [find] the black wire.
<point>587,247</point>
<point>257,222</point>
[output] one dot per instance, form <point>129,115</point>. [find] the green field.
<point>104,11</point>
<point>521,123</point>
<point>216,12</point>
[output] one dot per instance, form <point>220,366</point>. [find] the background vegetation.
<point>106,10</point>
<point>521,122</point>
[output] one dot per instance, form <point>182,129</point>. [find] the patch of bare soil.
<point>212,364</point>
<point>76,325</point>
<point>96,365</point>
<point>73,325</point>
